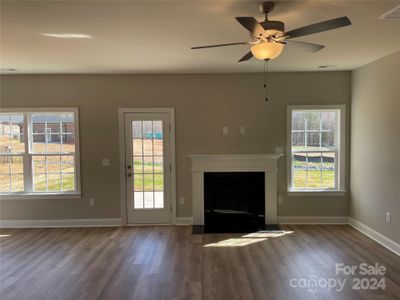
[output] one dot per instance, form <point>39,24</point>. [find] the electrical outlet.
<point>280,200</point>
<point>388,217</point>
<point>181,200</point>
<point>225,130</point>
<point>242,130</point>
<point>91,201</point>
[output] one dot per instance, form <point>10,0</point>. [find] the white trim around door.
<point>122,151</point>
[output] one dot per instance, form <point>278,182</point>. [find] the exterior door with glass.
<point>148,168</point>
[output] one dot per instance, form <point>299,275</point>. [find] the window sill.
<point>40,196</point>
<point>316,193</point>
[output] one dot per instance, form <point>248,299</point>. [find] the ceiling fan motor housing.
<point>273,25</point>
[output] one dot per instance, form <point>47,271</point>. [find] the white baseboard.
<point>60,223</point>
<point>286,220</point>
<point>184,221</point>
<point>76,223</point>
<point>375,235</point>
<point>312,220</point>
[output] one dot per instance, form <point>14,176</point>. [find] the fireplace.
<point>234,201</point>
<point>247,163</point>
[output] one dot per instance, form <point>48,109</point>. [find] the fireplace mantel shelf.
<point>266,163</point>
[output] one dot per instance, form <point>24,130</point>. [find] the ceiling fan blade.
<point>219,45</point>
<point>318,27</point>
<point>247,56</point>
<point>251,25</point>
<point>306,46</point>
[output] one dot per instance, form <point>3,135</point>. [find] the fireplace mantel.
<point>266,163</point>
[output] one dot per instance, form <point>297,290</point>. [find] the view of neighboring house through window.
<point>42,161</point>
<point>315,151</point>
<point>53,149</point>
<point>12,150</point>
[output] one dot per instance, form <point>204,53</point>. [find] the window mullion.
<point>61,177</point>
<point>320,146</point>
<point>61,136</point>
<point>292,171</point>
<point>336,170</point>
<point>321,170</point>
<point>46,173</point>
<point>320,131</point>
<point>143,161</point>
<point>305,145</point>
<point>45,134</point>
<point>27,157</point>
<point>306,169</point>
<point>305,131</point>
<point>10,158</point>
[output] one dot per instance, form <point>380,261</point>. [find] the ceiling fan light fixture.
<point>266,50</point>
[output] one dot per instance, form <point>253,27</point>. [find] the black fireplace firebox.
<point>234,202</point>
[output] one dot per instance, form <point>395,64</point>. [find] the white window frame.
<point>27,161</point>
<point>341,154</point>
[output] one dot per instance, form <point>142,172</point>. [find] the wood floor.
<point>168,262</point>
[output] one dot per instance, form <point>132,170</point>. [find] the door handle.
<point>129,174</point>
<point>129,167</point>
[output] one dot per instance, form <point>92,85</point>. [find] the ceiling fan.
<point>268,38</point>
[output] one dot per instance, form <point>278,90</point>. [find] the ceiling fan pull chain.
<point>266,79</point>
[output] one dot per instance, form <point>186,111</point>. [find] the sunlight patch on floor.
<point>236,242</point>
<point>270,234</point>
<point>248,239</point>
<point>4,235</point>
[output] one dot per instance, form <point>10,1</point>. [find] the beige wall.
<point>375,145</point>
<point>203,103</point>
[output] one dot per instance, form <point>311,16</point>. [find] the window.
<point>39,152</point>
<point>148,156</point>
<point>316,148</point>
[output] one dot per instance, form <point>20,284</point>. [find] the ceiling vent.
<point>7,70</point>
<point>391,14</point>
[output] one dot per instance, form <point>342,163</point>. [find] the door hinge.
<point>170,168</point>
<point>169,126</point>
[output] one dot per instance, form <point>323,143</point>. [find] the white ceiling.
<point>155,36</point>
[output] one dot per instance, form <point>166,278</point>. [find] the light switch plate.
<point>388,217</point>
<point>105,162</point>
<point>225,130</point>
<point>242,130</point>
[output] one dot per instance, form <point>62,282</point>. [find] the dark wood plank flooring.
<point>168,262</point>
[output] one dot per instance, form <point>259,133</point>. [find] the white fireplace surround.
<point>266,163</point>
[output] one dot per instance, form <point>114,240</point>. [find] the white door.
<point>148,168</point>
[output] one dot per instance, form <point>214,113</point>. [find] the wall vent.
<point>391,14</point>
